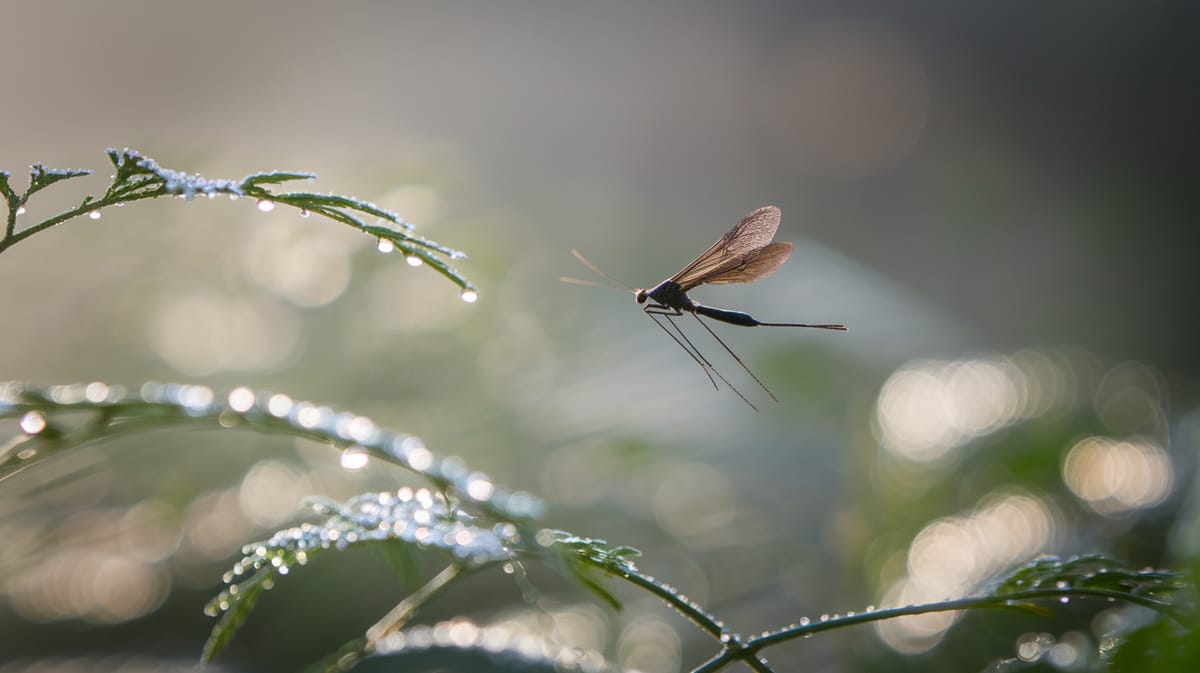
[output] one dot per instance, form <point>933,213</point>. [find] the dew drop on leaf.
<point>354,459</point>
<point>20,210</point>
<point>33,422</point>
<point>470,296</point>
<point>385,245</point>
<point>266,206</point>
<point>413,260</point>
<point>279,405</point>
<point>304,213</point>
<point>241,399</point>
<point>95,214</point>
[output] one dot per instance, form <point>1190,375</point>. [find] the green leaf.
<point>1093,572</point>
<point>274,178</point>
<point>9,195</point>
<point>41,177</point>
<point>234,615</point>
<point>418,519</point>
<point>459,645</point>
<point>139,177</point>
<point>117,412</point>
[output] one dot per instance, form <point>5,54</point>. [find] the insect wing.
<point>754,265</point>
<point>750,235</point>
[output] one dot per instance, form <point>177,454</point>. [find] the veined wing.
<point>750,235</point>
<point>752,266</point>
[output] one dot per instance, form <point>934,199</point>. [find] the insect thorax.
<point>668,293</point>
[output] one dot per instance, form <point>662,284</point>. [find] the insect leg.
<point>683,342</point>
<point>686,344</point>
<point>735,357</point>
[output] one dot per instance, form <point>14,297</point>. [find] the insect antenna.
<point>612,282</point>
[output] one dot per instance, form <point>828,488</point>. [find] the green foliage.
<point>419,518</point>
<point>115,412</point>
<point>465,519</point>
<point>1096,575</point>
<point>137,177</point>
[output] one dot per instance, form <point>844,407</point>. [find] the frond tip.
<point>137,177</point>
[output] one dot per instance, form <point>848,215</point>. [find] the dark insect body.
<point>743,255</point>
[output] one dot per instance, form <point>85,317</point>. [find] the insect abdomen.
<point>731,317</point>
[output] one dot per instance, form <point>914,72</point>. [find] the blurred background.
<point>994,197</point>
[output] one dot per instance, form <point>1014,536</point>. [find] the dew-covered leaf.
<point>1092,572</point>
<point>41,177</point>
<point>139,177</point>
<point>118,412</point>
<point>579,558</point>
<point>462,645</point>
<point>420,518</point>
<point>275,178</point>
<point>9,195</point>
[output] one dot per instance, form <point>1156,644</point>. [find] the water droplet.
<point>96,392</point>
<point>33,422</point>
<point>420,459</point>
<point>266,206</point>
<point>825,618</point>
<point>120,204</point>
<point>241,399</point>
<point>20,210</point>
<point>354,459</point>
<point>279,405</point>
<point>804,621</point>
<point>1061,584</point>
<point>1064,600</point>
<point>413,260</point>
<point>304,213</point>
<point>470,296</point>
<point>480,488</point>
<point>233,197</point>
<point>455,254</point>
<point>95,214</point>
<point>385,246</point>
